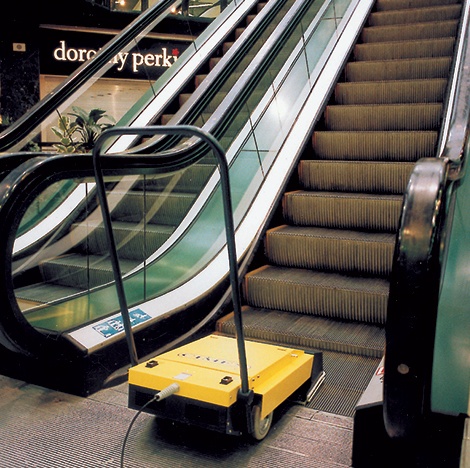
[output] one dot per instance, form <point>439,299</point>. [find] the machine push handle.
<point>189,131</point>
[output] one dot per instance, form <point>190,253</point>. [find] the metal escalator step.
<point>379,145</point>
<point>82,271</point>
<point>371,51</point>
<point>391,92</point>
<point>307,332</point>
<point>160,208</point>
<point>384,5</point>
<point>198,79</point>
<point>133,241</point>
<point>374,117</point>
<point>345,251</point>
<point>403,69</point>
<point>318,293</point>
<point>355,176</point>
<point>409,32</point>
<point>346,378</point>
<point>44,293</point>
<point>260,6</point>
<point>188,180</point>
<point>165,119</point>
<point>339,210</point>
<point>415,15</point>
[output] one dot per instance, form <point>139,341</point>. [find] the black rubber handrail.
<point>412,307</point>
<point>21,129</point>
<point>415,280</point>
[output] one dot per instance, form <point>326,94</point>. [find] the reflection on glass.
<point>167,228</point>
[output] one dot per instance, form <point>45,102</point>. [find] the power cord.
<point>165,393</point>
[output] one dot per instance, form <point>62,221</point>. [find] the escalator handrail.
<point>245,83</point>
<point>27,181</point>
<point>141,25</point>
<point>412,306</point>
<point>415,279</point>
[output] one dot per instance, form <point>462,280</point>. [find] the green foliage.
<point>79,135</point>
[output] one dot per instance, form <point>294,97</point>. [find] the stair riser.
<point>378,146</point>
<point>167,210</point>
<point>389,92</point>
<point>418,69</point>
<point>355,177</point>
<point>320,301</point>
<point>404,50</point>
<point>369,214</point>
<point>421,15</point>
<point>380,117</point>
<point>385,5</point>
<point>133,245</point>
<point>346,256</point>
<point>410,32</point>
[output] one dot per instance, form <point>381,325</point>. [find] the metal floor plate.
<point>43,428</point>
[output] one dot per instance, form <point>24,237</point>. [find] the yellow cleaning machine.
<point>220,383</point>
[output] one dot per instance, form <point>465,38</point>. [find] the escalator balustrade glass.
<point>168,231</point>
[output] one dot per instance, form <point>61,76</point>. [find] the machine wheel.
<point>260,426</point>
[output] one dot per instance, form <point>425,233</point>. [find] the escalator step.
<point>160,208</point>
<point>307,332</point>
<point>383,117</point>
<point>404,69</point>
<point>343,210</point>
<point>133,241</point>
<point>346,379</point>
<point>82,272</point>
<point>341,250</point>
<point>44,293</point>
<point>188,180</point>
<point>415,15</point>
<point>391,92</point>
<point>384,5</point>
<point>328,295</point>
<point>421,31</point>
<point>371,51</point>
<point>355,176</point>
<point>380,145</point>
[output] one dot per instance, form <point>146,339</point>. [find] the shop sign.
<point>63,51</point>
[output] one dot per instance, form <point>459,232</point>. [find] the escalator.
<point>178,91</point>
<point>325,284</point>
<point>322,279</point>
<point>62,281</point>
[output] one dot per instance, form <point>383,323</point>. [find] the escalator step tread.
<point>346,378</point>
<point>90,262</point>
<point>440,47</point>
<point>391,92</point>
<point>414,15</point>
<point>308,332</point>
<point>427,30</point>
<point>374,145</point>
<point>345,251</point>
<point>125,227</point>
<point>403,69</point>
<point>374,117</point>
<point>318,293</point>
<point>384,5</point>
<point>343,210</point>
<point>357,176</point>
<point>44,293</point>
